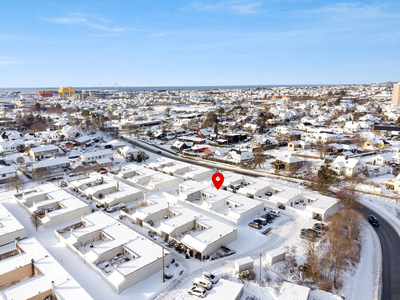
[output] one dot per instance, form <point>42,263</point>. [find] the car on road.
<point>373,221</point>
<point>213,278</point>
<point>255,225</point>
<point>197,291</point>
<point>203,282</point>
<point>158,152</point>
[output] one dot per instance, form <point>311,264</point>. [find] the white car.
<point>197,291</point>
<point>275,213</point>
<point>203,282</point>
<point>213,278</point>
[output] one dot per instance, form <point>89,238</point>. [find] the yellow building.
<point>381,144</point>
<point>62,91</point>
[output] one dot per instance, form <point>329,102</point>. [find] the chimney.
<point>145,195</point>
<point>32,267</point>
<point>53,285</point>
<point>117,184</point>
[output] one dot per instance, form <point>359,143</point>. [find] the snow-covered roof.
<point>291,291</point>
<point>50,270</point>
<point>52,162</point>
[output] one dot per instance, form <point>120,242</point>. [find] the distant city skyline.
<point>198,43</point>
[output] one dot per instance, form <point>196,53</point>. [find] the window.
<point>4,175</point>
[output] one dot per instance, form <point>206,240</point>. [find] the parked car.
<point>203,282</point>
<point>255,225</point>
<point>197,291</point>
<point>268,194</point>
<point>308,236</point>
<point>318,226</point>
<point>373,221</point>
<point>275,213</point>
<point>263,221</point>
<point>213,278</point>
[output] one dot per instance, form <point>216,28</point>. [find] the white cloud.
<point>86,20</point>
<point>10,62</point>
<point>240,7</point>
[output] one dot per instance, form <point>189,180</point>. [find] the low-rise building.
<point>52,165</point>
<point>95,155</point>
<point>146,179</point>
<point>10,228</point>
<point>43,151</point>
<point>51,204</point>
<point>28,271</point>
<point>106,190</point>
<point>7,172</point>
<point>121,256</point>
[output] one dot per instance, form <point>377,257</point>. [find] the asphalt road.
<point>390,244</point>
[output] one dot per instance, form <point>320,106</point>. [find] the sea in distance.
<point>158,88</point>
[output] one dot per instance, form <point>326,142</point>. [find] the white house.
<point>348,167</point>
<point>121,256</point>
<point>53,205</point>
<point>95,155</point>
<point>7,172</point>
<point>10,228</point>
<point>10,146</point>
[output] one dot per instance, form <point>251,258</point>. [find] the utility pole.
<point>260,267</point>
<point>163,273</point>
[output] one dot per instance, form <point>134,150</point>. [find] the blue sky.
<point>176,43</point>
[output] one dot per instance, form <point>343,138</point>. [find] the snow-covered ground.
<point>250,242</point>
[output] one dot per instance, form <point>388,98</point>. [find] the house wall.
<point>15,275</point>
<point>182,228</point>
<point>224,241</point>
<point>65,217</point>
<point>249,213</point>
<point>11,236</point>
<point>87,238</point>
<point>144,272</point>
<point>43,295</point>
<point>161,185</point>
<point>157,216</point>
<point>126,199</point>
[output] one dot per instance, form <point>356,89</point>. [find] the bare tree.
<point>320,146</point>
<point>16,183</point>
<point>259,158</point>
<point>359,140</point>
<point>35,220</point>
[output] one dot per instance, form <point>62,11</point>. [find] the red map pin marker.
<point>218,180</point>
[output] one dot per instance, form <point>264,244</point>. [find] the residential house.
<point>348,167</point>
<point>52,165</point>
<point>10,136</point>
<point>381,144</point>
<point>95,155</point>
<point>43,151</point>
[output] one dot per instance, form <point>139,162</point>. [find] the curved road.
<point>390,244</point>
<point>388,236</point>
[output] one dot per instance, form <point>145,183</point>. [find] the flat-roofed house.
<point>121,256</point>
<point>52,204</point>
<point>28,271</point>
<point>10,228</point>
<point>106,190</point>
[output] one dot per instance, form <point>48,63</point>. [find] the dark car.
<point>373,221</point>
<point>268,194</point>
